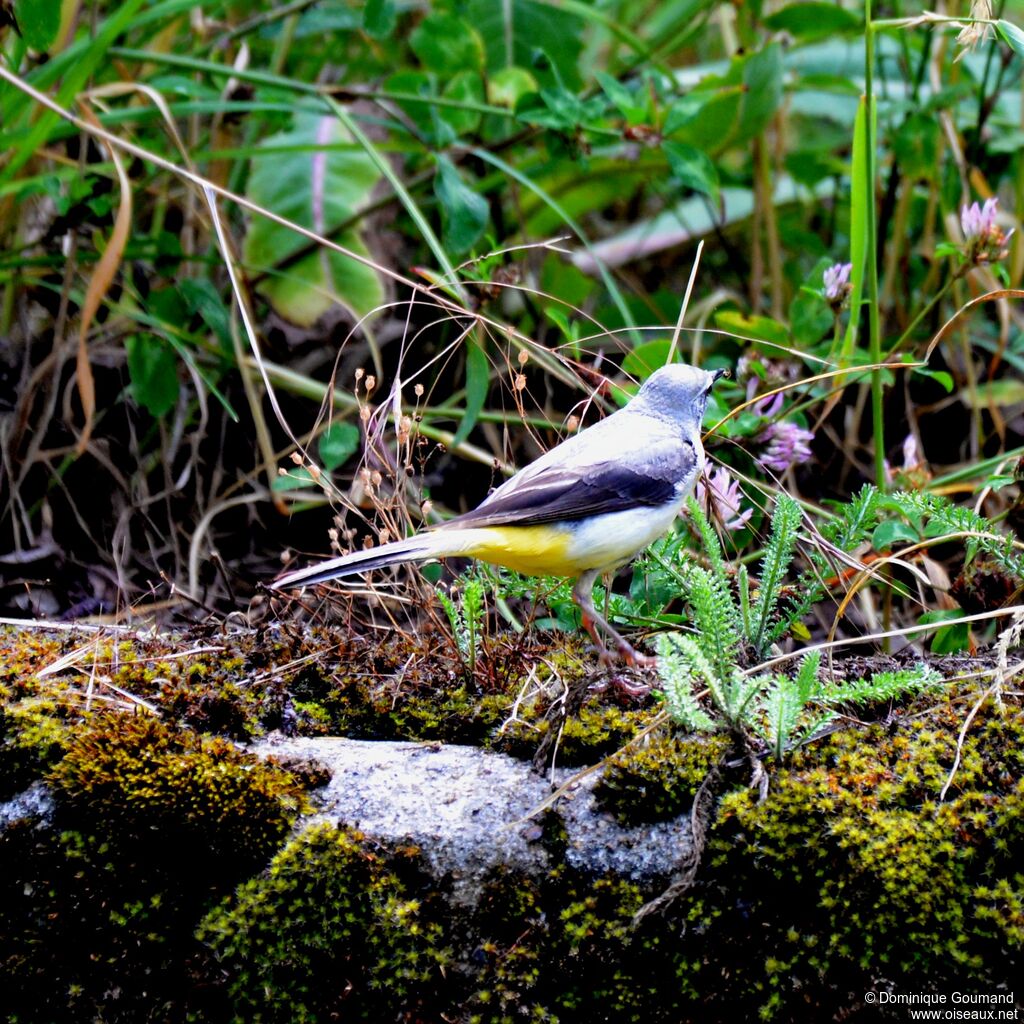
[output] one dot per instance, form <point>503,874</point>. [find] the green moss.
<point>331,922</point>
<point>852,867</point>
<point>139,776</point>
<point>152,825</point>
<point>33,737</point>
<point>657,780</point>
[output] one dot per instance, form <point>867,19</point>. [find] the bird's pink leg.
<point>583,595</point>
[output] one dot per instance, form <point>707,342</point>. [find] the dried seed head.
<point>520,382</point>
<point>524,357</point>
<point>296,458</point>
<point>418,390</point>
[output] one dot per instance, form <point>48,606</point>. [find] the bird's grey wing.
<point>558,492</point>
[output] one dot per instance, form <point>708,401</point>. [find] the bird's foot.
<point>632,657</point>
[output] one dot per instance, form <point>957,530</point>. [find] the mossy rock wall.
<point>168,876</point>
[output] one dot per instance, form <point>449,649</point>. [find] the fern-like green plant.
<point>783,711</point>
<point>785,721</point>
<point>466,618</point>
<point>718,613</point>
<point>778,554</point>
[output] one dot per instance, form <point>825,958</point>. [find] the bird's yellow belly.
<point>566,549</point>
<point>533,550</point>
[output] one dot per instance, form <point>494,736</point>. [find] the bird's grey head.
<point>676,392</point>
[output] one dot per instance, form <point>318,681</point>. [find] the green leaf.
<point>693,168</point>
<point>505,88</point>
<point>948,639</point>
<point>892,532</point>
<point>39,21</point>
<point>379,18</point>
<point>153,369</point>
<point>1011,35</point>
<point>762,83</point>
<point>809,314</point>
<point>942,377</point>
<point>531,27</point>
<point>684,110</point>
<point>642,361</point>
<point>337,444</point>
<point>463,212</point>
<point>633,108</point>
<point>202,299</point>
<point>761,328</point>
<point>466,87</point>
<point>811,20</point>
<point>478,382</point>
<point>296,478</point>
<point>325,183</point>
<point>446,44</point>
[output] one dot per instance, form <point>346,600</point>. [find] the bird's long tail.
<point>422,548</point>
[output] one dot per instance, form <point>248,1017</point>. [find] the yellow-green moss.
<point>331,923</point>
<point>657,780</point>
<point>853,868</point>
<point>137,775</point>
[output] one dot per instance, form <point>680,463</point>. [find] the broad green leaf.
<point>693,168</point>
<point>761,328</point>
<point>321,186</point>
<point>478,382</point>
<point>39,21</point>
<point>948,639</point>
<point>684,110</point>
<point>505,88</point>
<point>379,18</point>
<point>466,87</point>
<point>516,31</point>
<point>446,44</point>
<point>762,84</point>
<point>811,20</point>
<point>153,369</point>
<point>736,106</point>
<point>891,533</point>
<point>1011,35</point>
<point>463,212</point>
<point>810,317</point>
<point>337,444</point>
<point>643,360</point>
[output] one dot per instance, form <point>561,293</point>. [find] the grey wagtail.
<point>586,507</point>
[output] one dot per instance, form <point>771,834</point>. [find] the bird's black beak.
<point>719,374</point>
